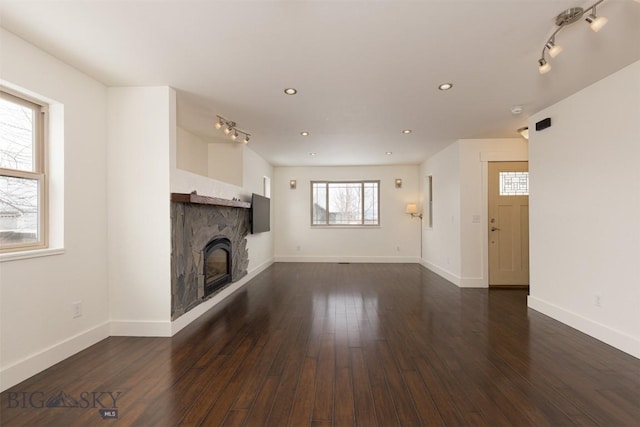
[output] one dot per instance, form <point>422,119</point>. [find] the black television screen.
<point>260,214</point>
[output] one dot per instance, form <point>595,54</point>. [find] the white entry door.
<point>508,223</point>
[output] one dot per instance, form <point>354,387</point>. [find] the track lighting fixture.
<point>565,18</point>
<point>229,128</point>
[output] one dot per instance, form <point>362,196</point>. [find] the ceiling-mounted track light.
<point>231,129</point>
<point>565,18</point>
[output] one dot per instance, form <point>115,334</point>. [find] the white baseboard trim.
<point>353,259</point>
<point>38,362</point>
<point>473,282</point>
<point>199,310</point>
<point>613,337</point>
<point>138,328</point>
<point>453,278</point>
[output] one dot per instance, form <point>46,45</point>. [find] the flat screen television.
<point>260,214</point>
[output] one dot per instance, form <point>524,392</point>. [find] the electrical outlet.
<point>598,300</point>
<point>77,309</point>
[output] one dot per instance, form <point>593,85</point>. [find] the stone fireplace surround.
<point>195,221</point>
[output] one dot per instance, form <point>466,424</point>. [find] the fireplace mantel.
<point>205,200</point>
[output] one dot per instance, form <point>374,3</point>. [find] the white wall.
<point>36,294</point>
<point>260,245</point>
<point>141,122</point>
<point>192,153</point>
<point>296,240</point>
<point>585,211</point>
<point>441,244</point>
<point>216,158</point>
<point>457,245</point>
<point>225,161</point>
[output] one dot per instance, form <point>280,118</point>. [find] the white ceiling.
<point>364,70</point>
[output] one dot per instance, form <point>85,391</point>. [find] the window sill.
<point>35,253</point>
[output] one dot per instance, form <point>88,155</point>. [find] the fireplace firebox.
<point>217,264</point>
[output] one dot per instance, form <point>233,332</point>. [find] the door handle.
<point>495,229</point>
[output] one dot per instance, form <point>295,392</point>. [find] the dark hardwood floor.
<point>341,345</point>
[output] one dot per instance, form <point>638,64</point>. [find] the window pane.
<point>319,203</point>
<point>345,203</point>
<point>371,203</point>
<point>18,210</point>
<point>16,136</point>
<point>514,183</point>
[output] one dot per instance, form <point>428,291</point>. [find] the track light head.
<point>227,130</point>
<point>554,49</point>
<point>246,139</point>
<point>596,22</point>
<point>234,135</point>
<point>219,123</point>
<point>543,66</point>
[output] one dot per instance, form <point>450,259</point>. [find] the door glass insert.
<point>514,183</point>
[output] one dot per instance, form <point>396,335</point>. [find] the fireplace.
<point>217,264</point>
<point>202,228</point>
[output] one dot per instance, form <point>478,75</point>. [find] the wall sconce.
<point>398,183</point>
<point>412,209</point>
<point>292,184</point>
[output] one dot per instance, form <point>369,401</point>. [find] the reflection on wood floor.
<point>342,345</point>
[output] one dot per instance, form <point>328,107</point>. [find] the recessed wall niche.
<point>217,158</point>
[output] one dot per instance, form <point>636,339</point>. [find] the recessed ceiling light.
<point>516,109</point>
<point>313,154</point>
<point>290,91</point>
<point>407,131</point>
<point>388,153</point>
<point>445,86</point>
<point>305,133</point>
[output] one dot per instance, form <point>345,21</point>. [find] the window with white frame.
<point>346,203</point>
<point>23,182</point>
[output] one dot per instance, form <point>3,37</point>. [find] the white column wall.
<point>141,124</point>
<point>585,211</point>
